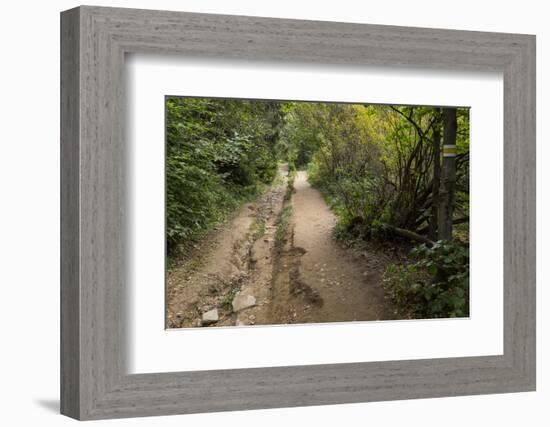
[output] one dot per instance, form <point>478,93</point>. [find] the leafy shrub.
<point>435,286</point>
<point>195,201</point>
<point>377,164</point>
<point>356,202</point>
<point>219,154</point>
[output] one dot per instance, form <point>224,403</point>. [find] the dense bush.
<point>376,164</point>
<point>218,154</point>
<point>436,285</point>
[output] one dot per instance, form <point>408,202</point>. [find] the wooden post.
<point>447,188</point>
<point>434,217</point>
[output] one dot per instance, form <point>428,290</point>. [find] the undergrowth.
<point>435,286</point>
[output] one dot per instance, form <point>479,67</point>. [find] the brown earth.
<point>325,282</point>
<point>298,274</point>
<point>237,257</point>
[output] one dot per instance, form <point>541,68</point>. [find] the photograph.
<point>274,209</point>
<point>293,212</point>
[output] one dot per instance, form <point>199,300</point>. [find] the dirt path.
<point>233,259</point>
<point>324,282</point>
<point>262,269</point>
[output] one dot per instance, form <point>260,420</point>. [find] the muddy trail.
<point>276,262</point>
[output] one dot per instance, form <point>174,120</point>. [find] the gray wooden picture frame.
<point>94,382</point>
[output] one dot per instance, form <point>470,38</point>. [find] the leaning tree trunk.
<point>448,178</point>
<point>434,216</point>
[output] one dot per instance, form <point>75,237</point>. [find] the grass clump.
<point>282,225</point>
<point>227,301</point>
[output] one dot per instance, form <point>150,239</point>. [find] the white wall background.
<point>29,212</point>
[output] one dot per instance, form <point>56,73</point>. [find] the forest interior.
<point>283,212</point>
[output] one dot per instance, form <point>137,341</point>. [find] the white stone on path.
<point>210,317</point>
<point>240,302</point>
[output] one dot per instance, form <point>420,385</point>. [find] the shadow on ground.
<point>51,405</point>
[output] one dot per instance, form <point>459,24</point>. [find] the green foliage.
<point>219,153</point>
<point>375,163</point>
<point>436,285</point>
<point>299,136</point>
<point>228,298</point>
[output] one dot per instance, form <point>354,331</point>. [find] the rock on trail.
<point>210,317</point>
<point>240,302</point>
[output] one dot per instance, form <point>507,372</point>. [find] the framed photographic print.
<point>261,213</point>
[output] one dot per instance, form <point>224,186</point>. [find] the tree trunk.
<point>410,235</point>
<point>448,175</point>
<point>434,217</point>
